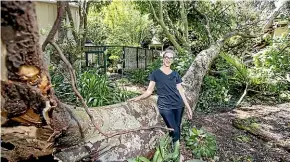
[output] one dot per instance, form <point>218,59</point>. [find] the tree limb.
<point>184,21</point>
<point>56,25</point>
<point>206,24</point>
<point>71,21</point>
<point>164,27</point>
<point>176,31</point>
<point>245,35</point>
<point>242,97</point>
<point>86,11</point>
<point>81,14</point>
<point>154,13</point>
<point>273,15</point>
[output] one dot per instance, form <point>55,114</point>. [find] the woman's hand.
<point>189,113</point>
<point>145,94</point>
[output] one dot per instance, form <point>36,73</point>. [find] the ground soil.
<point>273,119</point>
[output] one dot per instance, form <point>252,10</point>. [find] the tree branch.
<point>85,24</point>
<point>71,21</point>
<point>81,14</point>
<point>56,25</point>
<point>184,21</point>
<point>154,13</point>
<point>206,24</point>
<point>164,27</point>
<point>273,15</point>
<point>242,97</point>
<point>245,35</point>
<point>176,31</point>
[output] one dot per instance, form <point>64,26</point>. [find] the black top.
<point>168,94</point>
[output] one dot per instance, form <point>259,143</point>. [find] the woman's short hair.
<point>169,49</point>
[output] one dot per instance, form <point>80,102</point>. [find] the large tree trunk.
<point>193,78</point>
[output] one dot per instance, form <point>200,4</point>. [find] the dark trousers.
<point>172,118</point>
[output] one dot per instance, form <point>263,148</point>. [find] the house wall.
<point>46,12</point>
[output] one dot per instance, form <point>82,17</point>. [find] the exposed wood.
<point>243,95</point>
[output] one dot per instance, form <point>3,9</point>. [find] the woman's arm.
<point>146,94</point>
<point>181,91</point>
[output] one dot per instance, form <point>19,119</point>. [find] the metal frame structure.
<point>132,57</point>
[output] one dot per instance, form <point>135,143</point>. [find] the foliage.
<point>139,159</point>
<point>61,85</point>
<point>98,32</point>
<point>96,89</point>
<point>139,76</point>
<point>242,72</point>
<point>163,152</point>
<point>268,73</point>
<point>243,138</point>
<point>99,90</point>
<point>115,55</point>
<point>156,64</point>
<point>182,63</point>
<point>275,58</point>
<point>215,94</point>
<point>127,26</point>
<point>202,144</point>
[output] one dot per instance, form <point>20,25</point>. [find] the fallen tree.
<point>32,113</point>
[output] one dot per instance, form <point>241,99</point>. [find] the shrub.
<point>97,90</point>
<point>202,144</point>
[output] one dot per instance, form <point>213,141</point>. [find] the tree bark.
<point>183,14</point>
<point>62,32</point>
<point>193,78</point>
<point>86,12</point>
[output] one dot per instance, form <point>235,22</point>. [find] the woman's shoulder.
<point>175,72</point>
<point>156,71</point>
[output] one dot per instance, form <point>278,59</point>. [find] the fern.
<point>243,72</point>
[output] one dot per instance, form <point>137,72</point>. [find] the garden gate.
<point>121,57</point>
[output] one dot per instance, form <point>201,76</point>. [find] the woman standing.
<point>171,97</point>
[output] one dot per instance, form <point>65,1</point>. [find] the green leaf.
<point>143,159</point>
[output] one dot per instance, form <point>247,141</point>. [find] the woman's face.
<point>167,59</point>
